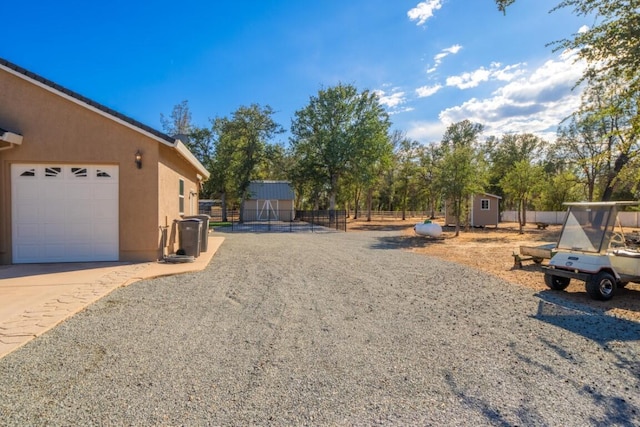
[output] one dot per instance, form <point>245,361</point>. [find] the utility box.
<point>204,232</point>
<point>190,232</point>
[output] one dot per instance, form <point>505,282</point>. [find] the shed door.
<point>64,213</point>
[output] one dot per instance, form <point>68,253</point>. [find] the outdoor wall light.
<point>139,159</point>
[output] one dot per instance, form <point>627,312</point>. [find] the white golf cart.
<point>593,248</point>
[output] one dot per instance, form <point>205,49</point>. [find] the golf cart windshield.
<point>587,228</point>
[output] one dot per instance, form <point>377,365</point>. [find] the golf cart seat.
<point>627,253</point>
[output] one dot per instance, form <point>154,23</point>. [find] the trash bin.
<point>190,235</point>
<point>204,232</point>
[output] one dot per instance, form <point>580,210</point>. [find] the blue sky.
<point>432,62</point>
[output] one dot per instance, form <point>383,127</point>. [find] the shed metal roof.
<point>271,190</point>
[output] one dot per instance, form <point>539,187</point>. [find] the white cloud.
<point>494,72</point>
<point>583,29</point>
<point>423,11</point>
<point>536,103</point>
<point>426,131</point>
<point>391,100</point>
<point>443,54</point>
<point>426,91</point>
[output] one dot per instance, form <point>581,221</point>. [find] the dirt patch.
<point>491,250</point>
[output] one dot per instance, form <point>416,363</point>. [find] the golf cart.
<point>592,248</point>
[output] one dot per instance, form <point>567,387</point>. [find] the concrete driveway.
<point>37,297</point>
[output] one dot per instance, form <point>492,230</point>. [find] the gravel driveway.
<point>327,329</point>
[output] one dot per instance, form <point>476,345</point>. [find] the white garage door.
<point>64,213</point>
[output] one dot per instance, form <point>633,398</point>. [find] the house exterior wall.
<point>171,170</point>
<point>55,129</point>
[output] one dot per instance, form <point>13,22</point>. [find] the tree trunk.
<point>241,213</point>
<point>457,205</point>
<point>223,198</point>
<point>520,230</point>
<point>369,203</point>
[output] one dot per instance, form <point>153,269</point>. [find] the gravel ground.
<point>327,329</point>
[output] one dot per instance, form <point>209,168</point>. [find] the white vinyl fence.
<point>627,219</point>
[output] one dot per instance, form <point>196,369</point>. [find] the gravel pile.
<point>327,329</point>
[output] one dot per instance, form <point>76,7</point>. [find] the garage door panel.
<point>54,251</point>
<point>107,191</point>
<point>54,232</point>
<point>64,213</point>
<point>29,192</point>
<point>28,213</point>
<point>54,212</point>
<point>79,212</point>
<point>80,191</point>
<point>28,232</point>
<point>28,251</point>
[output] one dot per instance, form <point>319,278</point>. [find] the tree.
<point>429,172</point>
<point>504,153</point>
<point>340,134</point>
<point>408,165</point>
<point>520,183</point>
<point>461,169</point>
<point>558,189</point>
<point>610,48</point>
<point>179,122</point>
<point>242,143</point>
<point>600,141</point>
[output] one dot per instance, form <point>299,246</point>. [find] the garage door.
<point>64,213</point>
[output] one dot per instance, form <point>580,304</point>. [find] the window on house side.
<point>181,197</point>
<point>484,204</point>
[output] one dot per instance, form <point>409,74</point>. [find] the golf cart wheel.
<point>601,286</point>
<point>556,283</point>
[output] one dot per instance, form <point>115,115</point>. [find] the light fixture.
<point>139,159</point>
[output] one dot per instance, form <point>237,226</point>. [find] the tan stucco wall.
<point>55,129</point>
<point>170,170</point>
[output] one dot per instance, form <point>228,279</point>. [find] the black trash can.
<point>204,232</point>
<point>190,232</point>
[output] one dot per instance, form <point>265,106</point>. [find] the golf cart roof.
<point>595,204</point>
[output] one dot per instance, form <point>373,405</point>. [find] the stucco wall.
<point>171,169</point>
<point>55,129</point>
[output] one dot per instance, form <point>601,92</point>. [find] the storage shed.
<point>484,210</point>
<point>270,201</point>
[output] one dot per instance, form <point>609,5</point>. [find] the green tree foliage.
<point>429,172</point>
<point>241,141</point>
<point>520,183</point>
<point>340,136</point>
<point>408,172</point>
<point>599,141</point>
<point>505,152</point>
<point>462,169</point>
<point>557,189</point>
<point>610,48</point>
